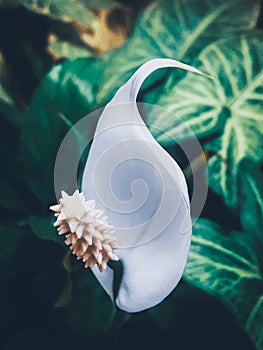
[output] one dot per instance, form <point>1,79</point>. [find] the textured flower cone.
<point>87,231</point>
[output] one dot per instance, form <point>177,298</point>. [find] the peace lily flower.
<point>134,206</point>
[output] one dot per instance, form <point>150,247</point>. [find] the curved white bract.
<point>143,192</point>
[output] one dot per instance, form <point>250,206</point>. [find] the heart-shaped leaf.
<point>206,104</point>
<point>228,106</point>
<point>229,267</point>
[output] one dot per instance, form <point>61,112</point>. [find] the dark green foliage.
<point>229,267</point>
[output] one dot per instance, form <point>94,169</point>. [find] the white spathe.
<point>143,192</point>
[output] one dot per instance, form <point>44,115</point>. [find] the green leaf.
<point>241,143</point>
<point>4,95</point>
<point>179,30</point>
<point>205,104</point>
<point>66,49</point>
<point>250,200</point>
<point>229,267</point>
<point>238,179</point>
<point>52,113</point>
<point>227,110</point>
<point>71,10</point>
<point>11,113</point>
<point>43,228</point>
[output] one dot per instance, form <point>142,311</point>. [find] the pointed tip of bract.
<point>207,75</point>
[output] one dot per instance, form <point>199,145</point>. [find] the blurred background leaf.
<point>190,308</point>
<point>230,267</point>
<point>72,10</point>
<point>43,228</point>
<point>54,119</point>
<point>179,30</point>
<point>60,30</point>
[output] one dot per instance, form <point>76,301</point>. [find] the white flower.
<point>144,195</point>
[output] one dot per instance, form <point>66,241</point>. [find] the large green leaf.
<point>228,109</point>
<point>239,178</point>
<point>177,29</point>
<point>229,267</point>
<point>63,98</point>
<point>206,104</point>
<point>241,144</point>
<point>244,185</point>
